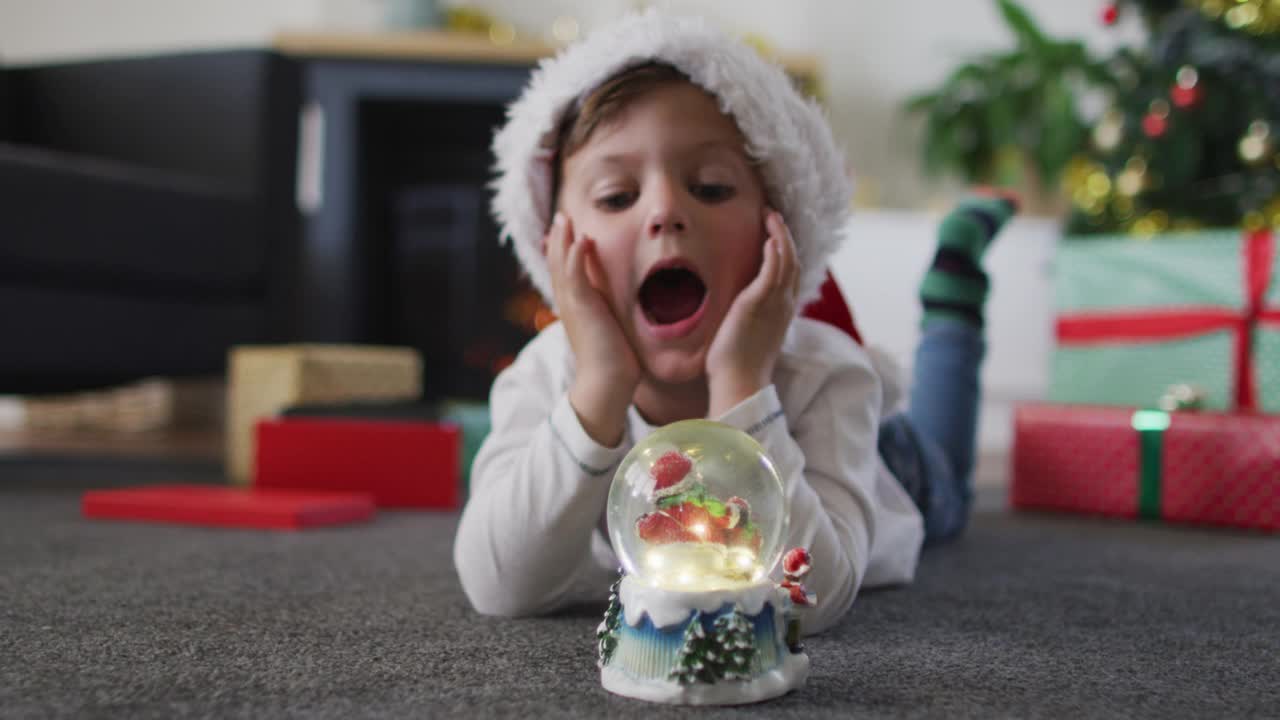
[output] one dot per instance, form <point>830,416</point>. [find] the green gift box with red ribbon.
<point>1206,468</point>
<point>1136,317</point>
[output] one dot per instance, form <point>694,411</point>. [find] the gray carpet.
<point>1028,616</point>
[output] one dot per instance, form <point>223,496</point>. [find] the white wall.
<point>876,53</point>
<point>50,30</point>
<point>879,270</point>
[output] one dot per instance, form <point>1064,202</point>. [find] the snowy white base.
<point>782,679</point>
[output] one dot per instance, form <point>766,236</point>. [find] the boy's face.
<point>676,210</point>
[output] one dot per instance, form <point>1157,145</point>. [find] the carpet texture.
<point>1027,616</point>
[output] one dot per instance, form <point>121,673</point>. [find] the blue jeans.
<point>930,447</point>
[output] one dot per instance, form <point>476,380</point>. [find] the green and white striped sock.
<point>955,285</point>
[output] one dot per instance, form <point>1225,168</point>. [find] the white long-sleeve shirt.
<point>532,537</point>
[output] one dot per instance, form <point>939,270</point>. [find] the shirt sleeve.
<point>539,484</point>
<point>825,452</point>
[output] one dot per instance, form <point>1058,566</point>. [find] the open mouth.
<point>671,294</point>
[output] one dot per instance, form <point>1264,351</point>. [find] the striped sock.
<point>955,285</point>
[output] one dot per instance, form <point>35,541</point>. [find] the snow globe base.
<point>711,647</point>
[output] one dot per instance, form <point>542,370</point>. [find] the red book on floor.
<point>221,506</point>
<point>402,464</point>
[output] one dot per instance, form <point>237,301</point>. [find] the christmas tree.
<point>736,637</point>
<point>607,632</point>
<point>698,660</point>
<point>1190,138</point>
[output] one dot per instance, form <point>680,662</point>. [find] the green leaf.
<point>1023,26</point>
<point>1061,135</point>
<point>921,103</point>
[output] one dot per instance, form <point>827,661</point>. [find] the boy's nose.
<point>665,222</point>
<point>665,212</point>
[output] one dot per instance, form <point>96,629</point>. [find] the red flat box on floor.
<point>400,464</point>
<point>220,506</point>
<point>1203,468</point>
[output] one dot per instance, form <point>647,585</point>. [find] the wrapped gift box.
<point>401,464</point>
<point>1188,467</point>
<point>1136,317</point>
<point>263,380</point>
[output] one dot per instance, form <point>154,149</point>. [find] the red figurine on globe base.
<point>795,565</point>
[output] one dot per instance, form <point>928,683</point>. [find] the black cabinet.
<point>155,211</point>
<point>143,215</point>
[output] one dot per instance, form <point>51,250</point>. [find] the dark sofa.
<point>146,216</point>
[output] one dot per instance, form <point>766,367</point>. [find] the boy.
<point>676,200</point>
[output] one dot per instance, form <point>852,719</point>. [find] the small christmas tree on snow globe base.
<point>697,515</point>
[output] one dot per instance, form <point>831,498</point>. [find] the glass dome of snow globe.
<point>696,506</point>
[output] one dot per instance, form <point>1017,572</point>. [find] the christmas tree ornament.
<point>1109,131</point>
<point>1257,144</point>
<point>1271,212</point>
<point>1133,179</point>
<point>1212,9</point>
<point>1243,16</point>
<point>1150,224</point>
<point>1110,13</point>
<point>1156,121</point>
<point>1122,208</point>
<point>1186,91</point>
<point>697,516</point>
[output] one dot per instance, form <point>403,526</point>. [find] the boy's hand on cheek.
<point>607,370</point>
<point>741,358</point>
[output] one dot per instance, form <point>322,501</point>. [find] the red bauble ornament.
<point>1184,97</point>
<point>1110,13</point>
<point>1154,125</point>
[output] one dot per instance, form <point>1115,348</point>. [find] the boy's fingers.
<point>575,273</point>
<point>595,273</point>
<point>793,262</point>
<point>787,250</point>
<point>559,244</point>
<point>769,268</point>
<point>551,242</point>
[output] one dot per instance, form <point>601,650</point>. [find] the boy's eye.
<point>616,201</point>
<point>711,192</point>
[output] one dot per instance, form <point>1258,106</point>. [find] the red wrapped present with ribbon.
<point>1136,317</point>
<point>1203,468</point>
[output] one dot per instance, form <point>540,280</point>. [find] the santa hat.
<point>787,135</point>
<point>671,476</point>
<point>796,562</point>
<point>737,510</point>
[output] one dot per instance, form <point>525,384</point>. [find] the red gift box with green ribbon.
<point>1136,317</point>
<point>1205,468</point>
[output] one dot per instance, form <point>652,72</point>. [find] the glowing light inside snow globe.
<point>697,506</point>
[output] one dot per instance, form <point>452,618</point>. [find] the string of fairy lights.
<point>1113,190</point>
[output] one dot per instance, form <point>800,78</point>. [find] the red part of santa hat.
<point>796,562</point>
<point>671,474</point>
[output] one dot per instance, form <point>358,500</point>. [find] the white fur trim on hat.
<point>802,168</point>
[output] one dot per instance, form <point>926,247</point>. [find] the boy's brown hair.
<point>601,106</point>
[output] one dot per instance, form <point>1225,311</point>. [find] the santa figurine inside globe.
<point>697,516</point>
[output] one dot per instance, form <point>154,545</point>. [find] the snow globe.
<point>697,516</point>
